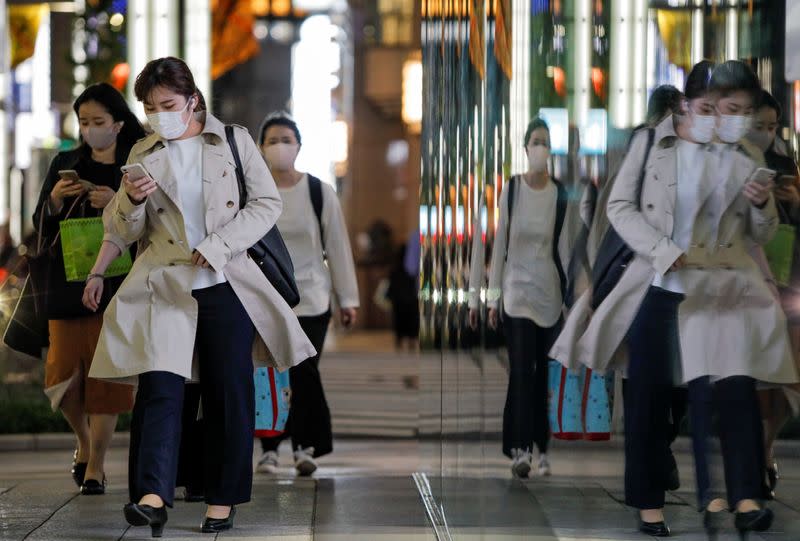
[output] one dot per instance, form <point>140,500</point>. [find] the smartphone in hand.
<point>762,175</point>
<point>69,174</point>
<point>135,171</point>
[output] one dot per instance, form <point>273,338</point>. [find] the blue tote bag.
<point>273,397</point>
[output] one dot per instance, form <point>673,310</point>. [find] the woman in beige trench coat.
<point>192,294</point>
<point>650,232</point>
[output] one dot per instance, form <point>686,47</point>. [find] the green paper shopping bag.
<point>780,254</point>
<point>80,241</point>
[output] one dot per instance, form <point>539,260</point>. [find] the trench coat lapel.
<point>158,165</point>
<point>665,171</point>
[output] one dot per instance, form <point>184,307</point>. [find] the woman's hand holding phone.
<point>137,183</point>
<point>67,186</point>
<point>759,186</point>
<point>787,191</point>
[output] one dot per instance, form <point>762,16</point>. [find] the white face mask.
<point>101,137</point>
<point>701,129</point>
<point>538,156</point>
<point>281,156</point>
<point>170,124</point>
<point>731,128</point>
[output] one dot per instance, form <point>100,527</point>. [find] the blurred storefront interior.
<point>587,68</point>
<point>349,72</point>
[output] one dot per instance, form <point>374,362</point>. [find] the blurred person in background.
<point>108,131</point>
<point>315,232</point>
<point>775,405</point>
<point>526,285</point>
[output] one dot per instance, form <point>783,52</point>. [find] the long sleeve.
<point>259,215</point>
<point>43,216</point>
<point>124,222</point>
<point>764,221</point>
<point>626,217</point>
<point>477,264</point>
<point>498,255</point>
<point>337,247</point>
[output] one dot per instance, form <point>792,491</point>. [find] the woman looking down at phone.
<point>194,302</point>
<point>732,332</point>
<point>81,183</point>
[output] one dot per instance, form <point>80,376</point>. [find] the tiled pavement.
<point>365,491</point>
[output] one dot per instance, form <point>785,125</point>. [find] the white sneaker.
<point>521,466</point>
<point>268,463</point>
<point>544,466</point>
<point>304,461</point>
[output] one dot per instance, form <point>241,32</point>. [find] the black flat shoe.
<point>214,525</point>
<point>93,487</point>
<point>713,522</point>
<point>753,521</point>
<point>654,529</point>
<point>78,469</point>
<point>145,515</point>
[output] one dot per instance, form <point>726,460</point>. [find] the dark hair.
<point>767,100</point>
<point>278,118</point>
<point>664,100</point>
<point>533,125</point>
<point>735,76</point>
<point>697,83</point>
<point>169,72</point>
<point>113,102</point>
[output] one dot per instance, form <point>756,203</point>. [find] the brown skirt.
<point>72,345</point>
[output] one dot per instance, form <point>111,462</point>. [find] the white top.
<point>186,160</point>
<point>691,169</point>
<point>300,230</point>
<point>528,282</point>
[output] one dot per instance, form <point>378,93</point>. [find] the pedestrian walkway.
<point>367,491</point>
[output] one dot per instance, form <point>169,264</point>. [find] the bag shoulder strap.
<point>651,135</point>
<point>315,189</point>
<point>562,199</point>
<point>512,184</point>
<point>229,135</point>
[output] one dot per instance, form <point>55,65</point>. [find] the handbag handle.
<point>40,239</point>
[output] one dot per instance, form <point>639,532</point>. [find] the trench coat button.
<point>171,241</point>
<point>650,206</point>
<point>701,245</point>
<point>224,173</point>
<point>230,204</point>
<point>160,211</point>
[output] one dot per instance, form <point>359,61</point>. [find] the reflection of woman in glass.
<point>526,282</point>
<point>732,332</point>
<point>775,410</point>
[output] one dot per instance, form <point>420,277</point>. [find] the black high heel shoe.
<point>93,487</point>
<point>145,515</point>
<point>78,469</point>
<point>753,521</point>
<point>214,525</point>
<point>772,478</point>
<point>713,522</point>
<point>653,529</point>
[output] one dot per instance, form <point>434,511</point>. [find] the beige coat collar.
<point>215,159</point>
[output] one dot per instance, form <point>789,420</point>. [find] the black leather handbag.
<point>614,254</point>
<point>270,252</point>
